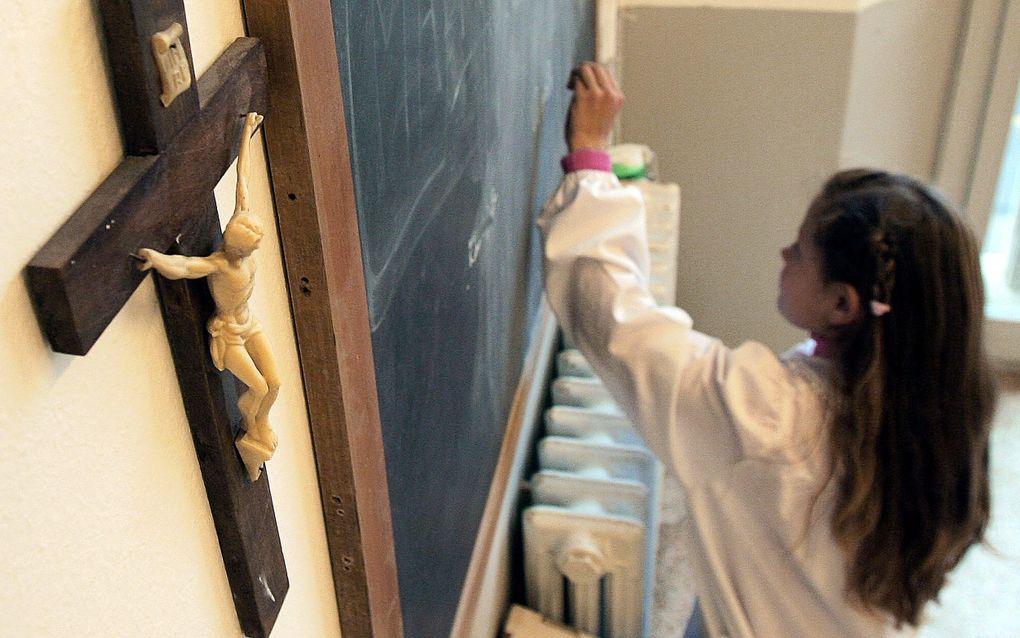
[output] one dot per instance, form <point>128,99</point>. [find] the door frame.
<point>975,130</point>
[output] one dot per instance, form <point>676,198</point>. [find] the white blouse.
<point>741,428</point>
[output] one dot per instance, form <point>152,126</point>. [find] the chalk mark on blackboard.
<point>461,76</point>
<point>486,218</point>
<point>385,281</point>
<point>386,21</point>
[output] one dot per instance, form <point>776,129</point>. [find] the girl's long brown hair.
<point>910,425</point>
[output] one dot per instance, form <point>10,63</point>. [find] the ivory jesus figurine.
<point>237,342</point>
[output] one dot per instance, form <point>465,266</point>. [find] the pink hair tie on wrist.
<point>878,308</point>
<point>587,158</point>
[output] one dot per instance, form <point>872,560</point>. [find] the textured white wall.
<point>105,527</point>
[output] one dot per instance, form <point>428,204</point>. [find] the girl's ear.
<point>846,304</point>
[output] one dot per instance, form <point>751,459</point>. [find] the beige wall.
<point>750,104</point>
<point>106,530</point>
<point>745,110</point>
<point>901,79</point>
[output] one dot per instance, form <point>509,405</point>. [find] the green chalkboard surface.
<point>455,114</point>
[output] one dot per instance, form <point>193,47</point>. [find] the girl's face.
<point>805,299</point>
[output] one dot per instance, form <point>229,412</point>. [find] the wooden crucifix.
<point>180,138</point>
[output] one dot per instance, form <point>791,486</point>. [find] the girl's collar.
<point>824,348</point>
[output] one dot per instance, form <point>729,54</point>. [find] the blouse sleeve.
<point>700,406</point>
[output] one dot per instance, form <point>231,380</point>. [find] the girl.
<point>832,489</point>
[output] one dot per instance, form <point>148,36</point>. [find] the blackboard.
<point>455,114</point>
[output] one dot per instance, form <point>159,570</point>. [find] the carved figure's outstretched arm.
<point>251,122</point>
<point>176,266</point>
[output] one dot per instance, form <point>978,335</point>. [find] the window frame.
<point>976,128</point>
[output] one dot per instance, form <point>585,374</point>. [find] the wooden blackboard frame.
<point>317,218</point>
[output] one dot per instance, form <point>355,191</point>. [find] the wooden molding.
<point>313,189</point>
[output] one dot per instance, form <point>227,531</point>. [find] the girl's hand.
<point>596,103</point>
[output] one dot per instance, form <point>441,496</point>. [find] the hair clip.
<point>878,308</point>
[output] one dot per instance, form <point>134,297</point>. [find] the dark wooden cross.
<point>178,148</point>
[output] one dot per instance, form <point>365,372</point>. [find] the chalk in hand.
<point>575,76</point>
